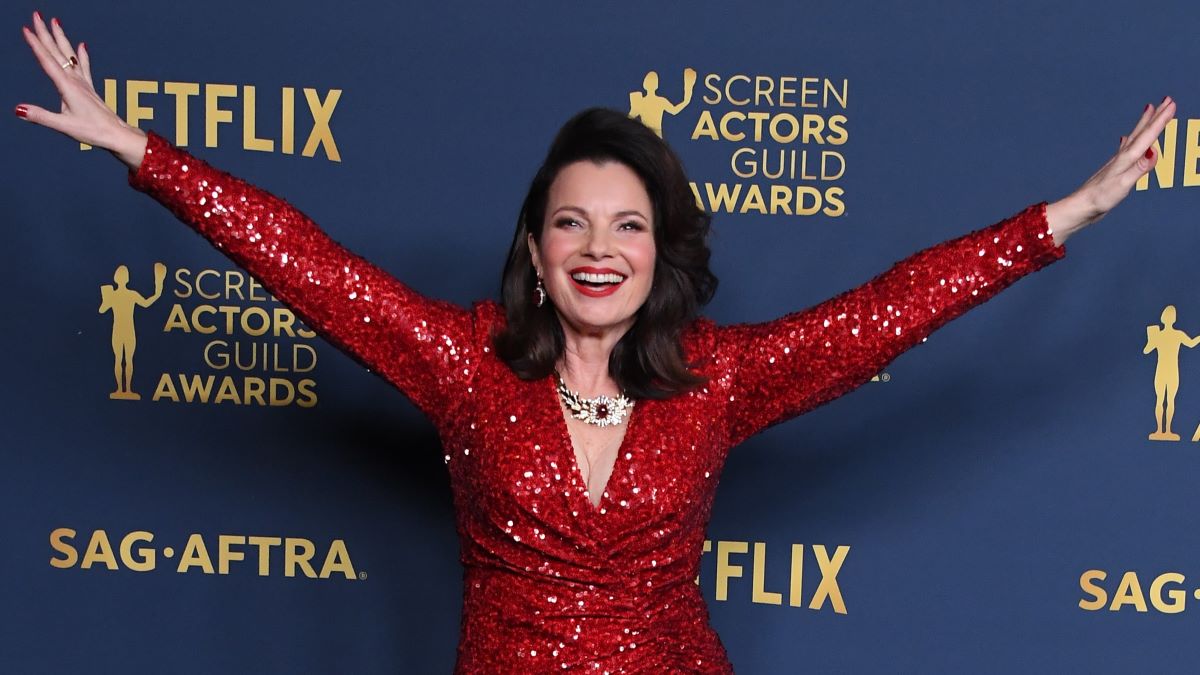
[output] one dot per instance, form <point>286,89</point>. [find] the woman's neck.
<point>584,361</point>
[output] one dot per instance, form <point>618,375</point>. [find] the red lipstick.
<point>595,292</point>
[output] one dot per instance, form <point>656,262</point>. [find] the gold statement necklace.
<point>601,411</point>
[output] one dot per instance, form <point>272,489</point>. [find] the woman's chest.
<point>511,451</point>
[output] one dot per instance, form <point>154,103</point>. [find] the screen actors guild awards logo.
<point>122,301</point>
<point>1166,340</point>
<point>648,106</point>
<point>784,135</point>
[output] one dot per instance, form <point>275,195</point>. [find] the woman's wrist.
<point>130,147</point>
<point>1069,215</point>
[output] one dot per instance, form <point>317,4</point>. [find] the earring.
<point>539,293</point>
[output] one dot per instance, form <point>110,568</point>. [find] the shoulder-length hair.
<point>648,361</point>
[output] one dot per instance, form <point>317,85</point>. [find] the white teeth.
<point>598,278</point>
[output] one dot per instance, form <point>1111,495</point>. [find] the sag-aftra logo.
<point>137,551</point>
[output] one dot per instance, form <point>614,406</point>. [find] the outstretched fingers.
<point>60,40</point>
<point>52,68</point>
<point>85,64</point>
<point>70,54</point>
<point>47,41</point>
<point>1141,141</point>
<point>1098,195</point>
<point>1143,120</point>
<point>42,117</point>
<point>83,115</point>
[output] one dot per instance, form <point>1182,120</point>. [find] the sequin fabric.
<point>551,582</point>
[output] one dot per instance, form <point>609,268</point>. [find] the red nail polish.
<point>54,20</point>
<point>22,111</point>
<point>83,46</point>
<point>1150,153</point>
<point>37,15</point>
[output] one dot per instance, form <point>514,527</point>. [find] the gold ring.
<point>70,63</point>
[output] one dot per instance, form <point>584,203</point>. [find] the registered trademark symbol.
<point>362,576</point>
<point>885,377</point>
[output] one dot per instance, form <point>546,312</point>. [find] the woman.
<point>586,419</point>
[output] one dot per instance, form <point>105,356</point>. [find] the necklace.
<point>601,411</point>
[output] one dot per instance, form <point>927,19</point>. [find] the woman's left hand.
<point>1112,183</point>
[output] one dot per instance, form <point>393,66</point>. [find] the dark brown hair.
<point>648,361</point>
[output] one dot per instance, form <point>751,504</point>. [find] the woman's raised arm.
<point>423,347</point>
<point>781,368</point>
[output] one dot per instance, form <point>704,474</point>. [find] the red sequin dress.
<point>552,582</point>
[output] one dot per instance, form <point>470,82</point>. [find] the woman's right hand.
<point>84,116</point>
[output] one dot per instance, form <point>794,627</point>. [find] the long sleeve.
<point>779,369</point>
<point>423,347</point>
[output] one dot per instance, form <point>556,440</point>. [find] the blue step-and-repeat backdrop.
<point>1002,499</point>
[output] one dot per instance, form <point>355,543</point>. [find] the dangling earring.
<point>539,293</point>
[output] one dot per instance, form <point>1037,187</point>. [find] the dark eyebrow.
<point>619,214</point>
<point>631,212</point>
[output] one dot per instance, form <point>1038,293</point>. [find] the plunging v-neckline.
<point>568,445</point>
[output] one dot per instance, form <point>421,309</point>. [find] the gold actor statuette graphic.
<point>649,107</point>
<point>1166,340</point>
<point>121,301</point>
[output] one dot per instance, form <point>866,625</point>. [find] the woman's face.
<point>596,254</point>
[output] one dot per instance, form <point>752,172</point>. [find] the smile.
<point>596,283</point>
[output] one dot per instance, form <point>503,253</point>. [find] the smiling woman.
<point>600,245</point>
<point>610,198</point>
<point>582,534</point>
